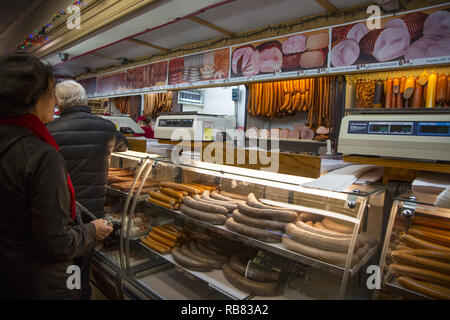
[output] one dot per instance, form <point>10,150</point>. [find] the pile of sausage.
<point>421,259</point>
<point>427,90</point>
<point>121,179</point>
<point>170,194</point>
<point>198,256</point>
<point>212,207</point>
<point>323,239</point>
<point>207,255</point>
<point>365,93</point>
<point>261,281</point>
<point>304,233</point>
<point>202,255</point>
<point>164,238</point>
<point>259,221</point>
<point>155,103</point>
<point>284,98</point>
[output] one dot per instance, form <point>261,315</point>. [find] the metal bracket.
<point>352,199</point>
<point>408,210</point>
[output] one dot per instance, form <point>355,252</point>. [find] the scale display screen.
<point>433,128</point>
<point>176,123</point>
<point>411,128</point>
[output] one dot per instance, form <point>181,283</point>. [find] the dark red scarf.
<point>33,123</point>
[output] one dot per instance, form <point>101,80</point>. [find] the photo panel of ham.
<point>405,37</point>
<point>210,65</point>
<point>296,52</point>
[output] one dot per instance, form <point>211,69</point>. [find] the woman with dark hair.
<point>41,238</point>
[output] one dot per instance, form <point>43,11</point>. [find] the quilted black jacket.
<point>86,141</point>
<point>38,238</point>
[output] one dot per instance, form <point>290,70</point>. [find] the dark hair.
<point>23,80</point>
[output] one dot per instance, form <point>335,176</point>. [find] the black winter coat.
<point>38,238</point>
<point>86,141</point>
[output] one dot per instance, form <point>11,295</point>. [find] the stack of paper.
<point>340,179</point>
<point>443,199</point>
<point>431,182</point>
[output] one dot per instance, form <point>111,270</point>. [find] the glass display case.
<point>124,178</point>
<point>223,232</point>
<point>415,261</point>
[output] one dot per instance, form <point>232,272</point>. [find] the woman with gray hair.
<point>86,142</point>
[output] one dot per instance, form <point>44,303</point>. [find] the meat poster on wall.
<point>158,74</point>
<point>150,75</point>
<point>210,65</point>
<point>308,50</point>
<point>403,38</point>
<point>89,85</point>
<point>415,38</point>
<point>112,82</point>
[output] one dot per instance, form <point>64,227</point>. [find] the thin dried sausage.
<point>420,274</point>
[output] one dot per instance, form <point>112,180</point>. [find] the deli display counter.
<point>415,260</point>
<point>222,232</point>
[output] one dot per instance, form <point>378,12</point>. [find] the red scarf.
<point>33,123</point>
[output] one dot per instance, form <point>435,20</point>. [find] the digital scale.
<point>411,136</point>
<point>198,127</point>
<point>125,124</point>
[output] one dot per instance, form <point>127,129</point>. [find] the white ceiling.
<point>127,49</point>
<point>168,32</point>
<point>245,15</point>
<point>179,34</point>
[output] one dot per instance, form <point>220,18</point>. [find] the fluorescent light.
<point>135,155</point>
<point>276,180</point>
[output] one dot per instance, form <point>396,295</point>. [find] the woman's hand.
<point>102,230</point>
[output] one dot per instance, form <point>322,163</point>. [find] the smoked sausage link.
<point>188,262</point>
<point>274,214</point>
<point>252,232</point>
<point>250,286</point>
<point>213,218</point>
<point>258,223</point>
<point>336,258</point>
